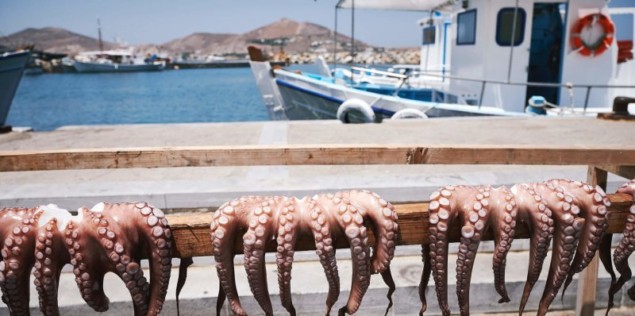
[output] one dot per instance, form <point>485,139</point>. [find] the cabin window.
<point>466,28</point>
<point>429,35</point>
<point>505,26</point>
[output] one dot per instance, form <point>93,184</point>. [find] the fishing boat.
<point>11,69</point>
<point>115,61</point>
<point>527,58</point>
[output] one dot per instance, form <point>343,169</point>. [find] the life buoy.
<point>408,114</point>
<point>357,105</point>
<point>601,45</point>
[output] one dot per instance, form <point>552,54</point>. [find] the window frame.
<point>522,15</point>
<point>434,36</point>
<point>458,17</point>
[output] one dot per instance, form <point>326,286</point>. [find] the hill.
<point>53,39</point>
<point>299,37</point>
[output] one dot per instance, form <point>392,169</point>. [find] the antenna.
<point>101,45</point>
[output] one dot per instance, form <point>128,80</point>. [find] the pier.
<point>65,166</point>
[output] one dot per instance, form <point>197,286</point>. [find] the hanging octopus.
<point>474,210</point>
<point>573,214</point>
<point>281,221</point>
<point>106,238</point>
<point>623,251</point>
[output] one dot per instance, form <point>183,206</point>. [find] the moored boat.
<point>114,61</point>
<point>11,69</point>
<point>576,56</point>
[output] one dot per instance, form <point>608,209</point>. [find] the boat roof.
<point>397,5</point>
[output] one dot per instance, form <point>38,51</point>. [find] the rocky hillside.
<point>299,37</point>
<point>53,39</point>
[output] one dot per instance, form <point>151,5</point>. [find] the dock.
<point>199,166</point>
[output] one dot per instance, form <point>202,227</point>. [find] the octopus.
<point>262,222</point>
<point>623,251</point>
<point>107,238</point>
<point>572,214</point>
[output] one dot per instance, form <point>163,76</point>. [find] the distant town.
<point>282,41</point>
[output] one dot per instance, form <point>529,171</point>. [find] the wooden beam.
<point>308,155</point>
<point>191,230</point>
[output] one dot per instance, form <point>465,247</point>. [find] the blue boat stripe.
<point>311,92</point>
<point>328,97</point>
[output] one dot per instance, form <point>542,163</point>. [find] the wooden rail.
<point>191,230</point>
<point>309,155</point>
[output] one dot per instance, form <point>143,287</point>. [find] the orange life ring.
<point>601,45</point>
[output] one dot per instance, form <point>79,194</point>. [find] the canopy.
<point>397,5</point>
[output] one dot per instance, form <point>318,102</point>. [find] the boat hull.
<point>11,69</point>
<point>83,67</point>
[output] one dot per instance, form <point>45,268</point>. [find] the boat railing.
<point>568,85</point>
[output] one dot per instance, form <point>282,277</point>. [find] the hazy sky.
<point>137,22</point>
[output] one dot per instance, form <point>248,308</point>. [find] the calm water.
<point>48,101</point>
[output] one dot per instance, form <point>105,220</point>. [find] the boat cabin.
<point>573,49</point>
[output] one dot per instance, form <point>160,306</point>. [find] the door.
<point>545,52</point>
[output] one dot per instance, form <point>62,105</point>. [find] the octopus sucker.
<point>624,249</point>
<point>283,220</point>
<point>593,204</point>
<point>567,230</point>
<point>18,234</point>
<point>539,220</point>
<point>94,242</point>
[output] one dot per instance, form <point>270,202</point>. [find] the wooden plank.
<point>587,281</point>
<point>191,230</point>
<point>309,155</point>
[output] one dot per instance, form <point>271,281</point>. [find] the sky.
<point>156,22</point>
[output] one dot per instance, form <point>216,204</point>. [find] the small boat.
<point>11,69</point>
<point>115,61</point>
<point>575,55</point>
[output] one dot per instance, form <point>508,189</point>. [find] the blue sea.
<point>48,101</point>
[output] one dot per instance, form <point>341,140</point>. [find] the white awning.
<point>397,5</point>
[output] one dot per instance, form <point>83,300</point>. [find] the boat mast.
<point>101,45</point>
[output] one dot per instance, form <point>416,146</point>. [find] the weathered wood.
<point>310,155</point>
<point>587,281</point>
<point>191,230</point>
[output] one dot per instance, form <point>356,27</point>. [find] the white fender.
<point>355,105</point>
<point>408,114</point>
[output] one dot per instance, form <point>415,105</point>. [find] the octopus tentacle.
<point>254,242</point>
<point>48,269</point>
<point>535,213</point>
<point>353,224</point>
<point>160,236</point>
<point>567,233</point>
<point>624,249</point>
<point>425,277</point>
<point>17,229</point>
<point>326,252</point>
<point>223,234</point>
<point>504,211</point>
<point>593,204</point>
<point>440,216</point>
<point>287,237</point>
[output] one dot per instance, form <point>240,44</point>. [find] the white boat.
<point>114,61</point>
<point>11,69</point>
<point>576,55</point>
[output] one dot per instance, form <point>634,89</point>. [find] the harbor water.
<point>46,102</point>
